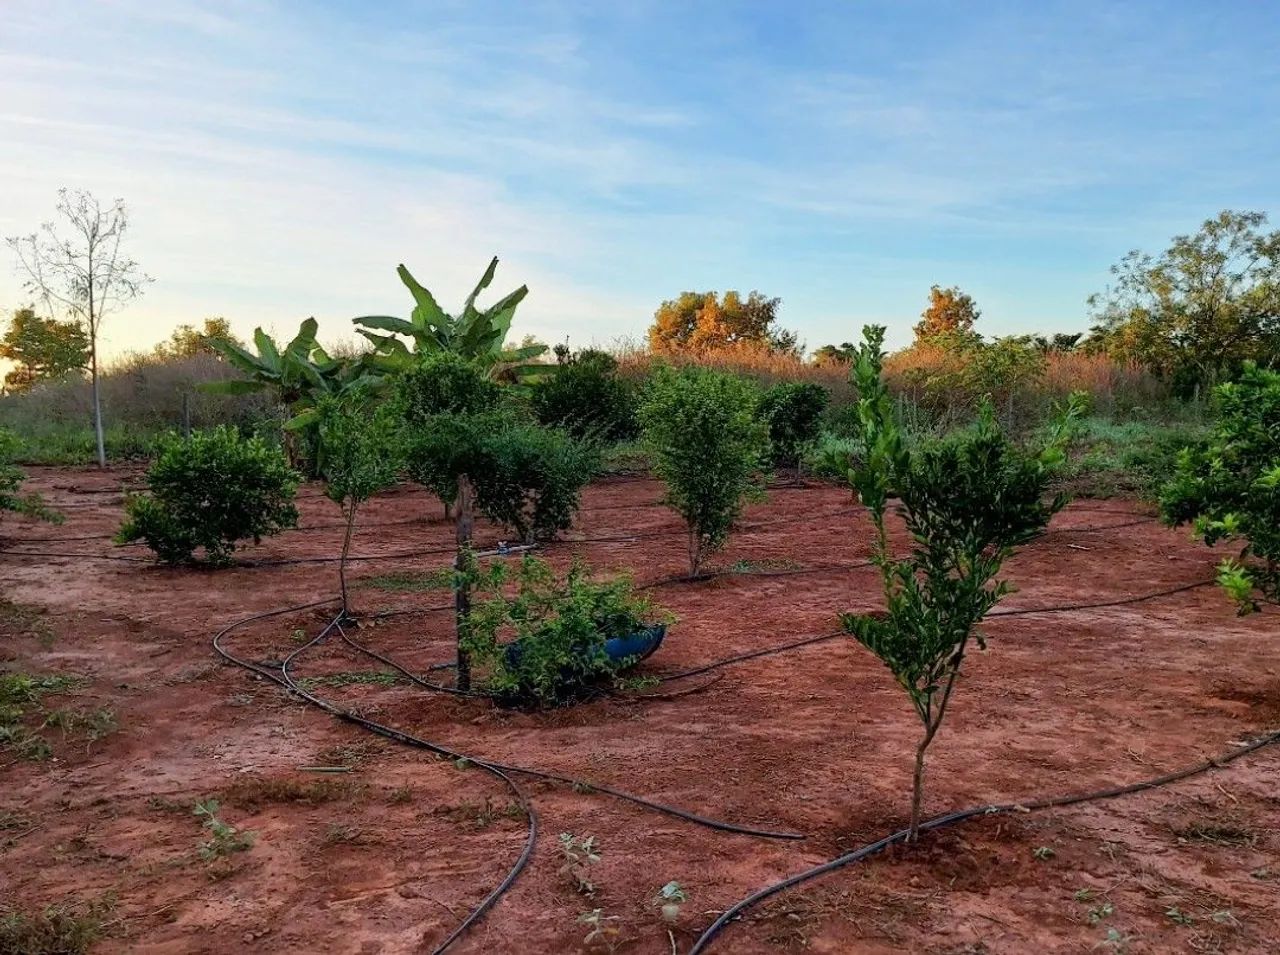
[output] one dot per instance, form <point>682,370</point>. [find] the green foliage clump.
<point>707,444</point>
<point>441,382</point>
<point>19,694</point>
<point>793,410</point>
<point>586,397</point>
<point>559,626</point>
<point>968,501</point>
<point>1228,487</point>
<point>11,478</point>
<point>359,452</point>
<point>211,491</point>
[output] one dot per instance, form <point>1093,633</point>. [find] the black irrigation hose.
<point>502,770</point>
<point>950,818</point>
<point>284,680</point>
<point>821,638</point>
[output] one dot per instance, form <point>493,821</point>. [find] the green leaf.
<point>267,351</point>
<point>386,323</point>
<point>302,420</point>
<point>469,305</point>
<point>427,313</point>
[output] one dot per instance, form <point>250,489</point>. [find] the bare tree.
<point>81,270</point>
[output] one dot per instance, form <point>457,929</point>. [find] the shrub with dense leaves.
<point>586,397</point>
<point>707,445</point>
<point>968,501</point>
<point>559,627</point>
<point>443,382</point>
<point>1228,487</point>
<point>210,492</point>
<point>11,478</point>
<point>526,477</point>
<point>793,410</point>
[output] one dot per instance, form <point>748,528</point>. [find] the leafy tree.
<point>187,341</point>
<point>476,335</point>
<point>42,349</point>
<point>1201,308</point>
<point>211,491</point>
<point>514,472</point>
<point>842,354</point>
<point>358,453</point>
<point>1059,342</point>
<point>950,310</point>
<point>83,270</point>
<point>968,502</point>
<point>587,398</point>
<point>11,477</point>
<point>708,445</point>
<point>793,411</point>
<point>702,321</point>
<point>1229,487</point>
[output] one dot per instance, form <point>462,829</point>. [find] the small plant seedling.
<point>1043,853</point>
<point>1115,940</point>
<point>1225,917</point>
<point>1175,914</point>
<point>225,839</point>
<point>670,898</point>
<point>1103,911</point>
<point>579,855</point>
<point>601,931</point>
<point>1085,895</point>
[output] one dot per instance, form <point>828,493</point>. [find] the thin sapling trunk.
<point>462,588</point>
<point>342,561</point>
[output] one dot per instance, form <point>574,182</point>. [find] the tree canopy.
<point>1201,308</point>
<point>705,321</point>
<point>187,341</point>
<point>950,311</point>
<point>42,349</point>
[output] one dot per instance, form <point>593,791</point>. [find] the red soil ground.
<point>391,855</point>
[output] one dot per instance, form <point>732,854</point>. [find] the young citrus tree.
<point>707,445</point>
<point>1229,487</point>
<point>211,491</point>
<point>793,410</point>
<point>968,501</point>
<point>358,454</point>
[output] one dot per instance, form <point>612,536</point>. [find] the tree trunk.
<point>462,591</point>
<point>917,792</point>
<point>97,406</point>
<point>342,561</point>
<point>695,553</point>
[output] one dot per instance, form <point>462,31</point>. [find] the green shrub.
<point>211,491</point>
<point>443,382</point>
<point>561,624</point>
<point>526,477</point>
<point>793,411</point>
<point>707,444</point>
<point>586,397</point>
<point>1228,487</point>
<point>968,502</point>
<point>11,478</point>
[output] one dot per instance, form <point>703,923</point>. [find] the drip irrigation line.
<point>951,818</point>
<point>285,680</point>
<point>502,770</point>
<point>404,671</point>
<point>1120,602</point>
<point>820,638</point>
<point>6,552</point>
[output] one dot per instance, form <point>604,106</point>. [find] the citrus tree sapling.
<point>968,501</point>
<point>707,445</point>
<point>1228,488</point>
<point>358,454</point>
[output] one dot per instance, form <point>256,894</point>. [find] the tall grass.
<point>143,396</point>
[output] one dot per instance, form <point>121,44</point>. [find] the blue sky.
<point>280,159</point>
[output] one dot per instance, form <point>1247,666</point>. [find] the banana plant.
<point>476,335</point>
<point>301,373</point>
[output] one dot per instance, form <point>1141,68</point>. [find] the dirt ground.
<point>390,854</point>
